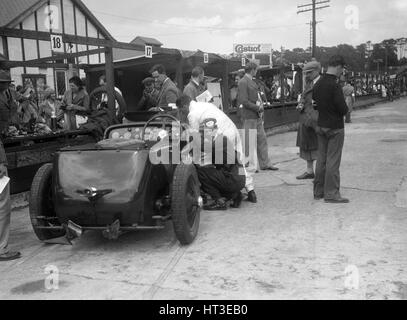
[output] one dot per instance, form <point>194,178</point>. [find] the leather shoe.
<point>339,200</point>
<point>252,197</point>
<point>216,206</point>
<point>270,168</point>
<point>10,256</point>
<point>318,197</point>
<point>306,176</point>
<point>237,201</point>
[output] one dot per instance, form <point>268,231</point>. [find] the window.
<point>60,76</point>
<point>38,82</point>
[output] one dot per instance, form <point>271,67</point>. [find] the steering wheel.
<point>168,116</point>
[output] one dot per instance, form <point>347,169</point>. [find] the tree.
<point>359,59</point>
<point>386,53</point>
<point>403,61</point>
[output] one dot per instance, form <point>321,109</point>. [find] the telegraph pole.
<point>313,7</point>
<point>311,37</point>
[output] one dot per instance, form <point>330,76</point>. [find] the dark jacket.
<point>5,113</point>
<point>148,101</point>
<point>193,90</point>
<point>248,95</point>
<point>4,123</point>
<point>81,99</point>
<point>330,102</point>
<point>169,93</point>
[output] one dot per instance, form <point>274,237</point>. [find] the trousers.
<point>220,183</point>
<point>327,174</point>
<point>256,151</point>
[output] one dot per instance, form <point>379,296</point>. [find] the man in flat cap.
<point>332,109</point>
<point>150,95</point>
<point>5,202</point>
<point>307,139</point>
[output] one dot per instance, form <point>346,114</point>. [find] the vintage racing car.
<point>113,186</point>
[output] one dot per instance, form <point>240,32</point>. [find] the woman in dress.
<point>307,139</point>
<point>76,104</point>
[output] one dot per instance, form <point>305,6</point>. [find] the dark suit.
<point>247,96</point>
<point>193,90</point>
<point>169,93</point>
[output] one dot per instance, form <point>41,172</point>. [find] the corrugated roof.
<point>122,54</point>
<point>11,9</point>
<point>146,41</point>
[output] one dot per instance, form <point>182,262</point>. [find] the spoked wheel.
<point>186,203</point>
<point>42,212</point>
<point>96,98</point>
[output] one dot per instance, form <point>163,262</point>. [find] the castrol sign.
<point>252,48</point>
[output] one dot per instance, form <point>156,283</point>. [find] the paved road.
<point>288,246</point>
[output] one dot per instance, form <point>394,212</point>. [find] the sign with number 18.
<point>57,44</point>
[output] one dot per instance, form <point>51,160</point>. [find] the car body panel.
<point>124,184</point>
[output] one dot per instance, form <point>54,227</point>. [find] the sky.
<point>215,25</point>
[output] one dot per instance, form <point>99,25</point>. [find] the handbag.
<point>311,118</point>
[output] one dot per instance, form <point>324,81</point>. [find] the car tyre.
<point>41,204</point>
<point>185,203</point>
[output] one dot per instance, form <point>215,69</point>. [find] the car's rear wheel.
<point>42,212</point>
<point>186,203</point>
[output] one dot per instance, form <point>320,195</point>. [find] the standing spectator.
<point>5,202</point>
<point>195,86</point>
<point>27,111</point>
<point>14,97</point>
<point>169,92</point>
<point>50,108</point>
<point>349,94</point>
<point>75,104</point>
<point>41,89</point>
<point>332,109</point>
<point>307,139</point>
<point>234,91</point>
<point>249,97</point>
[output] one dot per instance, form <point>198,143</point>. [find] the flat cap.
<point>312,66</point>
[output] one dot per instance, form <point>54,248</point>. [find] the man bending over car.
<point>197,114</point>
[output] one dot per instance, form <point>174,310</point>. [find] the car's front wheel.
<point>186,203</point>
<point>42,213</point>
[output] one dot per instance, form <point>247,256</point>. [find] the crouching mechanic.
<point>197,113</point>
<point>218,169</point>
